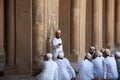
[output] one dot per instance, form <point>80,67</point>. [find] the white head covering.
<point>61,54</point>
<point>58,31</point>
<point>117,54</point>
<point>49,55</point>
<point>107,51</point>
<point>102,50</point>
<point>97,53</point>
<point>88,55</point>
<point>92,47</point>
<point>100,54</point>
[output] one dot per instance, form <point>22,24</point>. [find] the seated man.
<point>109,66</point>
<point>50,71</point>
<point>65,70</point>
<point>85,69</point>
<point>98,66</point>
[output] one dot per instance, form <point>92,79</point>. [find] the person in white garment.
<point>65,70</point>
<point>85,69</point>
<point>98,66</point>
<point>101,53</point>
<point>109,66</point>
<point>117,56</point>
<point>92,50</point>
<point>50,71</point>
<point>57,44</point>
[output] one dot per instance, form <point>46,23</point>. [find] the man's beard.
<point>57,37</point>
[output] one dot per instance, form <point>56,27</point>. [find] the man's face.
<point>91,50</point>
<point>58,34</point>
<point>104,55</point>
<point>45,58</point>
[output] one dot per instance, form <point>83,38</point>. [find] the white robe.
<point>110,68</point>
<point>98,67</point>
<point>85,70</point>
<point>55,48</point>
<point>50,71</point>
<point>65,70</point>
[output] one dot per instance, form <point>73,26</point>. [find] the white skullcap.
<point>92,47</point>
<point>117,54</point>
<point>49,55</point>
<point>102,50</point>
<point>61,54</point>
<point>88,55</point>
<point>107,51</point>
<point>58,30</point>
<point>99,53</point>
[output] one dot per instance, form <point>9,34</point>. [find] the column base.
<point>10,70</point>
<point>37,68</point>
<point>2,63</point>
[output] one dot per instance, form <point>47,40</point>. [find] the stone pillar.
<point>74,29</point>
<point>82,28</point>
<point>98,23</point>
<point>51,21</point>
<point>88,24</point>
<point>2,55</point>
<point>10,32</point>
<point>38,9</point>
<point>117,21</point>
<point>24,36</point>
<point>64,24</point>
<point>110,18</point>
<point>1,27</point>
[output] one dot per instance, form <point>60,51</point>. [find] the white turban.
<point>102,50</point>
<point>49,55</point>
<point>92,47</point>
<point>88,55</point>
<point>97,53</point>
<point>107,51</point>
<point>100,54</point>
<point>117,54</point>
<point>61,54</point>
<point>58,31</point>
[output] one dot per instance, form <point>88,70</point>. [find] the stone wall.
<point>45,22</point>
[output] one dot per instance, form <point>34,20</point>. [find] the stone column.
<point>88,24</point>
<point>1,27</point>
<point>64,24</point>
<point>38,9</point>
<point>82,27</point>
<point>24,36</point>
<point>2,55</point>
<point>74,29</point>
<point>110,18</point>
<point>51,21</point>
<point>98,23</point>
<point>10,32</point>
<point>117,21</point>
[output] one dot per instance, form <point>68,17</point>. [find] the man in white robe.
<point>109,66</point>
<point>117,56</point>
<point>92,50</point>
<point>65,70</point>
<point>57,44</point>
<point>98,66</point>
<point>50,71</point>
<point>85,68</point>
